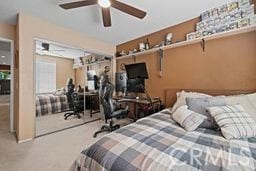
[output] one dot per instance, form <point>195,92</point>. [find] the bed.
<point>158,143</point>
<point>47,104</point>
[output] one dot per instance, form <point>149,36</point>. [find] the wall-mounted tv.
<point>138,70</point>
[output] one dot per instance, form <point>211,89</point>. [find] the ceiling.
<point>88,20</point>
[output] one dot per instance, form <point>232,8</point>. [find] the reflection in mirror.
<point>67,81</point>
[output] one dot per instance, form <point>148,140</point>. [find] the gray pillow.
<point>200,105</point>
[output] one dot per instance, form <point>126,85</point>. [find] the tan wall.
<point>7,31</point>
<point>64,68</point>
<point>227,63</point>
<point>80,77</point>
<point>30,28</point>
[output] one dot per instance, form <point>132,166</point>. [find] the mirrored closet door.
<point>67,83</point>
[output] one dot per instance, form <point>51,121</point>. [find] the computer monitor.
<point>138,70</point>
<point>90,75</point>
<point>135,85</point>
<point>121,81</point>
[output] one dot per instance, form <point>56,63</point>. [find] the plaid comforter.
<point>50,104</point>
<point>157,143</point>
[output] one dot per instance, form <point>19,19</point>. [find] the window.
<point>45,77</point>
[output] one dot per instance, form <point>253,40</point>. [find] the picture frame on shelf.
<point>235,16</point>
<point>244,3</point>
<point>205,15</point>
<point>245,22</point>
<point>214,12</point>
<point>223,9</point>
<point>247,12</point>
<point>233,26</point>
<point>233,6</point>
<point>253,20</point>
<point>191,36</point>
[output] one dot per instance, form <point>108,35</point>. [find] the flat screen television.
<point>138,70</point>
<point>121,81</point>
<point>135,85</point>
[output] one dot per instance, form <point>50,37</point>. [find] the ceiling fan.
<point>105,8</point>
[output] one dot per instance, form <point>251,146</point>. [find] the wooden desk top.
<point>89,93</point>
<point>142,101</point>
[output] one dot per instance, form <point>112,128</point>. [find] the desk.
<point>140,103</point>
<point>91,95</point>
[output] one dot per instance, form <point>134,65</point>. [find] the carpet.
<point>52,152</point>
<point>54,122</point>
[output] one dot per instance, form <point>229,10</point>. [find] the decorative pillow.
<point>188,119</point>
<point>248,101</point>
<point>200,105</point>
<point>234,122</point>
<point>181,98</point>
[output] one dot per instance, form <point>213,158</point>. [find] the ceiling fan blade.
<point>106,17</point>
<point>128,9</point>
<point>78,4</point>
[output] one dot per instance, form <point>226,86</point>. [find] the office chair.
<point>109,107</point>
<point>76,103</point>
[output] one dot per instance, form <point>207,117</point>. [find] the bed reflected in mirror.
<point>66,86</point>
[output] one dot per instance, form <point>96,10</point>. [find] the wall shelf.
<point>96,63</point>
<point>198,40</point>
<point>78,66</point>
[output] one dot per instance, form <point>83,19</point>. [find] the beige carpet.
<point>51,123</point>
<point>4,113</point>
<point>55,152</point>
<point>4,99</point>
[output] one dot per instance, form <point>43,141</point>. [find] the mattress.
<point>50,104</point>
<point>157,143</point>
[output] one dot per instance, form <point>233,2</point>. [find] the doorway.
<point>6,85</point>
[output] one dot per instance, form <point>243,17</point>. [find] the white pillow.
<point>248,101</point>
<point>233,121</point>
<point>181,98</point>
<point>188,119</point>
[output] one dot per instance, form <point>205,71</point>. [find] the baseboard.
<point>26,140</point>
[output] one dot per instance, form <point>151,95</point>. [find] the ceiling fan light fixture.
<point>104,3</point>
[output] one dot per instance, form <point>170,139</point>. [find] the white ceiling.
<point>87,20</point>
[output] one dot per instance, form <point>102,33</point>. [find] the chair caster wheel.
<point>78,116</point>
<point>65,118</point>
<point>95,135</point>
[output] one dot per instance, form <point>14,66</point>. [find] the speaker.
<point>121,81</point>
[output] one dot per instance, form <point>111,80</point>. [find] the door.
<point>6,85</point>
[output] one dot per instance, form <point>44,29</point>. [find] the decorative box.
<point>243,3</point>
<point>247,12</point>
<point>205,15</point>
<point>191,36</point>
<point>244,22</point>
<point>253,20</point>
<point>223,9</point>
<point>233,26</point>
<point>233,6</point>
<point>214,12</point>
